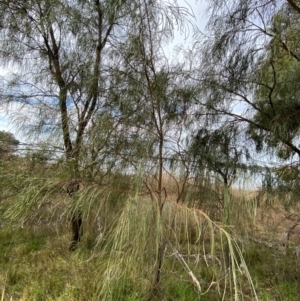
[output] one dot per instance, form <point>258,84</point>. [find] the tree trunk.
<point>76,220</point>
<point>160,259</point>
<point>77,231</point>
<point>226,221</point>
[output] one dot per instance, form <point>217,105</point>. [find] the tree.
<point>277,96</point>
<point>57,48</point>
<point>148,97</point>
<point>8,142</point>
<point>63,54</point>
<point>217,152</point>
<point>250,66</point>
<point>148,94</point>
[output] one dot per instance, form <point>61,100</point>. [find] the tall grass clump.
<point>148,251</point>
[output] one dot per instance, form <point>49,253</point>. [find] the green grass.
<point>38,267</point>
<point>182,291</point>
<point>275,274</point>
<point>36,264</point>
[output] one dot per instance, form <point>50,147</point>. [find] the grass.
<point>38,267</point>
<point>123,264</point>
<point>275,274</point>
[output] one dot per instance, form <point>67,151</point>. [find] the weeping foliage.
<point>250,61</point>
<point>128,235</point>
<point>217,151</point>
<point>277,97</point>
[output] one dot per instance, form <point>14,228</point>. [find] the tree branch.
<point>294,6</point>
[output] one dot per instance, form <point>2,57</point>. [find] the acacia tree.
<point>277,97</point>
<point>58,49</point>
<point>250,65</point>
<point>148,93</point>
<point>217,152</point>
<point>62,54</point>
<point>149,97</point>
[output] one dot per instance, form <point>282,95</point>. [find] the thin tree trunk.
<point>160,259</point>
<point>160,173</point>
<point>76,219</point>
<point>76,230</point>
<point>226,221</point>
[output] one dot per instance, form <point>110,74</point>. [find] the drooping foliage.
<point>250,69</point>
<point>277,96</point>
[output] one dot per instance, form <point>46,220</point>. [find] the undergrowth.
<point>34,265</point>
<point>122,264</point>
<point>133,249</point>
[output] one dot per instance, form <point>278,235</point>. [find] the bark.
<point>294,6</point>
<point>76,219</point>
<point>226,221</point>
<point>76,230</point>
<point>160,259</point>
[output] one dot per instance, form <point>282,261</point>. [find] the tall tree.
<point>250,66</point>
<point>277,95</point>
<point>63,56</point>
<point>148,93</point>
<point>149,97</point>
<point>57,49</point>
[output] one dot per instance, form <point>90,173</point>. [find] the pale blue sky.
<point>4,123</point>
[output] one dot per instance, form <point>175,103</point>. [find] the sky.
<point>198,9</point>
<point>4,122</point>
